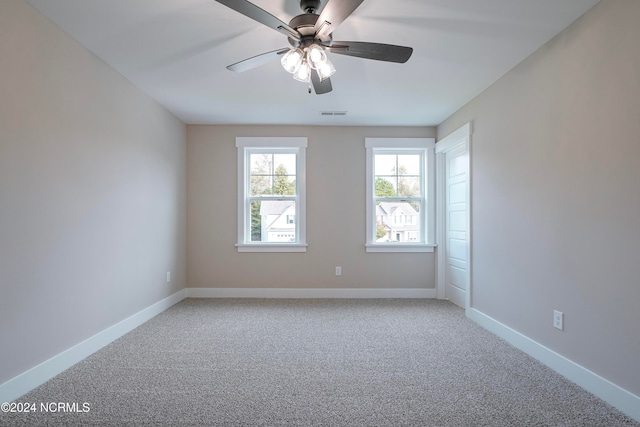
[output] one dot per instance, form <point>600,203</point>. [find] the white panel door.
<point>456,224</point>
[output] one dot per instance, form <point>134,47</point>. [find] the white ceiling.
<point>177,50</point>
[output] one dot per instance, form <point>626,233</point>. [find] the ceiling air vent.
<point>333,113</point>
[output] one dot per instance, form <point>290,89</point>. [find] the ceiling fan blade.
<point>256,61</point>
<point>377,51</point>
<point>334,12</point>
<point>320,87</point>
<point>262,16</point>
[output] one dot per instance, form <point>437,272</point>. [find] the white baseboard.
<point>28,380</point>
<point>309,293</point>
<point>616,396</point>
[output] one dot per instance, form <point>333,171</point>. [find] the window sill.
<point>394,247</point>
<point>271,247</point>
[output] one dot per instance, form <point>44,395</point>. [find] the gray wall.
<point>556,199</point>
<point>335,215</point>
<point>92,193</point>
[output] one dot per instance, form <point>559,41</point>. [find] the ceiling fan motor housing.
<point>305,25</point>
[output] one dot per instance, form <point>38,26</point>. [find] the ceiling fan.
<point>310,38</point>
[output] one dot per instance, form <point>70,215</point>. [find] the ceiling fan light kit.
<point>310,38</point>
<point>301,63</point>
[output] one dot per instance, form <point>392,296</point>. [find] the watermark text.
<point>46,407</point>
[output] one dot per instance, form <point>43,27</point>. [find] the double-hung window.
<point>400,194</point>
<point>271,194</point>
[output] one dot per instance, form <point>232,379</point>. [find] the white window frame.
<point>248,145</point>
<point>426,146</point>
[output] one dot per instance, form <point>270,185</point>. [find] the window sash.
<point>419,199</point>
<point>250,146</point>
<point>269,197</point>
<point>401,152</point>
<point>423,147</point>
<point>399,223</point>
<point>272,175</point>
<point>249,220</point>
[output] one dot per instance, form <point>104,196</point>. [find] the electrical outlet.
<point>168,276</point>
<point>338,271</point>
<point>558,320</point>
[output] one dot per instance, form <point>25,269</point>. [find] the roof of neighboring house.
<point>389,208</point>
<point>275,207</point>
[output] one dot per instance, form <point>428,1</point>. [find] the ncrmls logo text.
<point>65,407</point>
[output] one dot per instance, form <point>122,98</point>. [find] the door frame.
<point>461,136</point>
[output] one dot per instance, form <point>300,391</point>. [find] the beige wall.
<point>556,198</point>
<point>335,215</point>
<point>92,193</point>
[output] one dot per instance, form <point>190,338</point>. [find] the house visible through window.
<point>399,194</point>
<point>271,194</point>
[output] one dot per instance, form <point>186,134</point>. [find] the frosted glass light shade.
<point>326,70</point>
<point>292,60</point>
<point>303,74</point>
<point>316,56</point>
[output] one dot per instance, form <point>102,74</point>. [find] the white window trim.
<point>245,143</point>
<point>428,218</point>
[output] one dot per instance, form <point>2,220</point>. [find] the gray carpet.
<point>250,362</point>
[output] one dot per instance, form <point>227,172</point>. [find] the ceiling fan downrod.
<point>309,6</point>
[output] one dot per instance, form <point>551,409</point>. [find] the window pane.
<point>385,164</point>
<point>272,174</point>
<point>398,222</point>
<point>409,164</point>
<point>260,185</point>
<point>256,223</point>
<point>385,186</point>
<point>409,186</point>
<point>273,221</point>
<point>284,184</point>
<point>285,161</point>
<point>261,164</point>
<point>397,175</point>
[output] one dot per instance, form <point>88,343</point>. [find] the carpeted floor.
<point>265,362</point>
